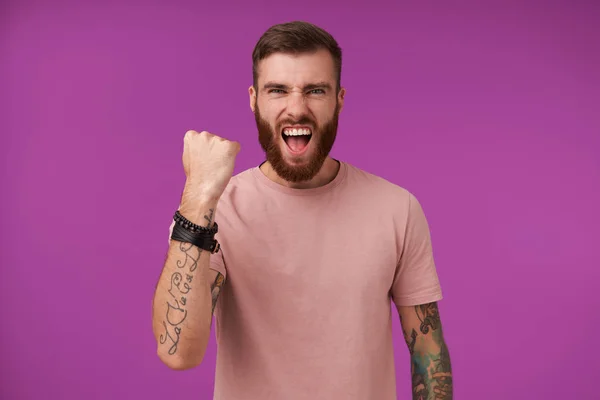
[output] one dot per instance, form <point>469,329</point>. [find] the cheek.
<point>322,109</point>
<point>269,112</point>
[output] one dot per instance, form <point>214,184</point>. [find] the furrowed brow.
<point>310,86</point>
<point>275,85</point>
<point>318,85</point>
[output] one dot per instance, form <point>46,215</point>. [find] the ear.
<point>252,94</point>
<point>341,95</point>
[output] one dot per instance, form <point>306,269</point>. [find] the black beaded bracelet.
<point>189,225</point>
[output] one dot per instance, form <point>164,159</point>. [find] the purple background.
<point>488,113</point>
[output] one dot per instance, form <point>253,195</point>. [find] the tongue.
<point>297,143</point>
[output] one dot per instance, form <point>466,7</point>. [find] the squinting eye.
<point>317,91</point>
<point>275,91</point>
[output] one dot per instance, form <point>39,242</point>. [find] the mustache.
<point>301,121</point>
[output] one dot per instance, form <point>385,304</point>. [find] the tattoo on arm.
<point>431,369</point>
<point>410,341</point>
<point>215,289</point>
<point>180,287</point>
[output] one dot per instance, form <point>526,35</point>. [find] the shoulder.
<point>384,196</point>
<point>388,202</point>
<point>378,188</point>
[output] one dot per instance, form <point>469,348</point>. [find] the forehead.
<point>297,69</point>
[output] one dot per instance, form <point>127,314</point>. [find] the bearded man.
<point>306,253</point>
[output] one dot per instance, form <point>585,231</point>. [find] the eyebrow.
<point>310,86</point>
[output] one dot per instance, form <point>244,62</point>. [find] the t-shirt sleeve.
<point>216,260</point>
<point>415,280</point>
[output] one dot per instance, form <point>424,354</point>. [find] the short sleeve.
<point>216,260</point>
<point>416,280</point>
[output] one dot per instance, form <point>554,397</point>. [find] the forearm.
<point>429,356</point>
<point>431,369</point>
<point>182,306</point>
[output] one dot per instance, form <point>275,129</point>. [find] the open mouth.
<point>297,139</point>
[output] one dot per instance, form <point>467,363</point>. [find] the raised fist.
<point>208,162</point>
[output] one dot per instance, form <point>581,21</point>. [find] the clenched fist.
<point>208,162</point>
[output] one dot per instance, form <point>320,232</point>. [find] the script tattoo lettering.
<point>173,340</point>
<point>180,287</point>
<point>191,259</point>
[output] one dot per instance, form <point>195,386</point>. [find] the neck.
<point>326,174</point>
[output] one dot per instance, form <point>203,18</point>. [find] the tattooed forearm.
<point>179,291</point>
<point>431,369</point>
<point>432,375</point>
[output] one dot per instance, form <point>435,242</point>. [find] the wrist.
<point>199,209</point>
<point>200,192</point>
<point>186,231</point>
<point>202,215</point>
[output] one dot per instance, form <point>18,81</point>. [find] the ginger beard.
<point>272,141</point>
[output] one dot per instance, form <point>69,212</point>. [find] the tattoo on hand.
<point>180,287</point>
<point>431,370</point>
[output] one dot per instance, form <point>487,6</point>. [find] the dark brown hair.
<point>294,38</point>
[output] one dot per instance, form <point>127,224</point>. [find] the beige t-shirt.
<point>305,312</point>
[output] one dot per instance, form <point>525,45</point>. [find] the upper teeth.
<point>296,132</point>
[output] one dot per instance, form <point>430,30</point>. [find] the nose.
<point>296,105</point>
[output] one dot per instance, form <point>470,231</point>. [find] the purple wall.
<point>489,114</point>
